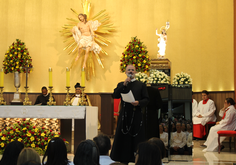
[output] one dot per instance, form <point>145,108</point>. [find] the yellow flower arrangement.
<point>14,61</point>
<point>135,53</point>
<point>2,144</point>
<point>31,136</point>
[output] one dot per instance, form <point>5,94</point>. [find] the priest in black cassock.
<point>130,129</point>
<point>43,98</point>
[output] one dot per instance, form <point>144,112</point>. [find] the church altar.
<point>60,112</point>
<point>86,120</point>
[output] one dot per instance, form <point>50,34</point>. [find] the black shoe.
<point>222,147</point>
<point>203,145</point>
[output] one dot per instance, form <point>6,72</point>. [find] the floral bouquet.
<point>16,58</point>
<point>182,79</point>
<point>143,77</point>
<point>157,77</point>
<point>31,136</point>
<point>135,53</point>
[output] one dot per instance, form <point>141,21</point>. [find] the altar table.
<point>86,119</point>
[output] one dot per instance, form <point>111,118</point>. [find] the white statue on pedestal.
<point>162,40</point>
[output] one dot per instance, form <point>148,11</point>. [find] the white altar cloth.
<point>60,112</point>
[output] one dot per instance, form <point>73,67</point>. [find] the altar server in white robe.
<point>228,122</point>
<point>205,113</point>
<point>206,110</point>
<point>194,108</point>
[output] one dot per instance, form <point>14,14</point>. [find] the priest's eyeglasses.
<point>130,69</point>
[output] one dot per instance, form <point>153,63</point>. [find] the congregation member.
<point>148,153</point>
<point>31,163</point>
<point>76,98</point>
<point>104,145</point>
<point>228,122</point>
<point>163,135</point>
<point>189,128</point>
<point>166,128</point>
<point>43,98</point>
<point>56,153</point>
<point>183,128</point>
<point>205,113</point>
<point>190,143</point>
<point>28,154</point>
<point>87,153</point>
<point>178,140</point>
<point>160,144</point>
<point>130,129</point>
<point>11,153</point>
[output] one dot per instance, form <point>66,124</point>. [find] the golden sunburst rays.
<point>72,47</point>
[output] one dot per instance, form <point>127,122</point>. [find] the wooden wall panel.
<point>96,101</point>
<point>217,97</point>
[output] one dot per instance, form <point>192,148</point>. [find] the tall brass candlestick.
<point>67,101</point>
<point>51,102</point>
<point>2,102</point>
<point>27,102</point>
<point>2,77</point>
<point>83,101</point>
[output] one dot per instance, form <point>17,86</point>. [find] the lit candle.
<point>2,78</point>
<point>50,77</point>
<point>83,78</point>
<point>67,77</point>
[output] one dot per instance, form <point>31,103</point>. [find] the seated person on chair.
<point>75,98</point>
<point>190,143</point>
<point>43,98</point>
<point>205,113</point>
<point>228,122</point>
<point>178,140</point>
<point>163,135</point>
<point>194,106</point>
<point>183,128</point>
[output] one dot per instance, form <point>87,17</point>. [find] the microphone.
<point>130,76</point>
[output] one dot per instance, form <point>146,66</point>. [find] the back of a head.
<point>148,154</point>
<point>160,144</point>
<point>56,152</point>
<point>103,143</point>
<point>87,153</point>
<point>28,154</point>
<point>11,153</point>
<point>31,163</point>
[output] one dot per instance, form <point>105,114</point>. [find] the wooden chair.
<point>226,133</point>
<point>208,126</point>
<point>116,111</point>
